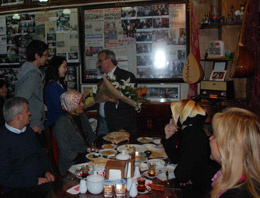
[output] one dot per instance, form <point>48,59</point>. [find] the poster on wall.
<point>149,41</point>
<point>57,28</point>
<point>11,2</point>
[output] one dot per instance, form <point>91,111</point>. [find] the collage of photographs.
<point>146,27</point>
<point>17,30</point>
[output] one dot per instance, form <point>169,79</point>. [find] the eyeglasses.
<point>100,61</point>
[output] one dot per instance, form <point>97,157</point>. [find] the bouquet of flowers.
<point>124,90</point>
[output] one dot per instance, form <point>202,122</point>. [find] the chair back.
<point>53,151</point>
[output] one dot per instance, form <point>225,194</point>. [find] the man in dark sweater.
<point>24,169</point>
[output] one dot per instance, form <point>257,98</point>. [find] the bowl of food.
<point>107,152</point>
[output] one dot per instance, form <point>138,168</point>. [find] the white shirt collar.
<point>112,72</point>
<point>14,130</point>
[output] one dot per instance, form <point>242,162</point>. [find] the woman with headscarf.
<point>54,87</point>
<point>235,144</point>
<point>72,131</point>
<point>187,145</point>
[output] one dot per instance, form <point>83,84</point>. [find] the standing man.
<point>115,114</point>
<point>24,169</point>
<point>30,82</point>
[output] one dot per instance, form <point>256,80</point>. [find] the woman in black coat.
<point>187,145</point>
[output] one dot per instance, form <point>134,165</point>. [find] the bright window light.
<point>160,59</point>
<point>16,17</point>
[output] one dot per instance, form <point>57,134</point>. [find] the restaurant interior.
<point>154,40</point>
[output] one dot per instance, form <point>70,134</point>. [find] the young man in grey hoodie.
<point>30,82</point>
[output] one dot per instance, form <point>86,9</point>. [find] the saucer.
<point>148,176</point>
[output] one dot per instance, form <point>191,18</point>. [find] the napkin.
<point>74,190</point>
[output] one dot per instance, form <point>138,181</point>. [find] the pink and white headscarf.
<point>70,100</point>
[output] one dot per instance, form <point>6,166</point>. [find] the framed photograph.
<point>85,88</point>
<point>218,75</point>
<point>162,92</point>
<point>11,2</point>
<point>72,78</point>
<point>220,65</point>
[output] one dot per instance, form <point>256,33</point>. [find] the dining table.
<point>170,188</point>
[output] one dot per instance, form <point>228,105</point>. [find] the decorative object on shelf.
<point>218,75</point>
<point>192,71</point>
<point>220,65</point>
<point>214,12</point>
<point>230,18</point>
<point>244,65</point>
<point>216,49</point>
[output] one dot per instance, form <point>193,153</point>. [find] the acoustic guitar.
<point>244,63</point>
<point>192,71</point>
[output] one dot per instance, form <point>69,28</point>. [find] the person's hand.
<point>107,98</point>
<point>49,177</point>
<point>37,129</point>
<point>170,129</point>
<point>42,180</point>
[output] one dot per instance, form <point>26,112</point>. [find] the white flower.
<point>116,84</point>
<point>126,82</point>
<point>112,77</point>
<point>94,89</point>
<point>131,85</point>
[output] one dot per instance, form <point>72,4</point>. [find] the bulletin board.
<point>56,28</point>
<point>149,41</point>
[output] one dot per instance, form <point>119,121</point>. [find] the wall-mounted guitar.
<point>244,64</point>
<point>192,71</point>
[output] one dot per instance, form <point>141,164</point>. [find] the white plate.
<point>108,146</point>
<point>138,147</point>
<point>156,162</point>
<point>157,141</point>
<point>150,146</point>
<point>95,155</point>
<point>144,139</point>
<point>112,151</point>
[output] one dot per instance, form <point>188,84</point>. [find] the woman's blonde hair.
<point>183,109</point>
<point>237,133</point>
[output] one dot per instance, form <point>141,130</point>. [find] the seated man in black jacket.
<point>24,169</point>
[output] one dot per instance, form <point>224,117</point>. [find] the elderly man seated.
<point>24,169</point>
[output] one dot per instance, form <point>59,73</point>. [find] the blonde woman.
<point>187,145</point>
<point>236,146</point>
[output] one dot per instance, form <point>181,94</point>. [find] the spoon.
<point>167,179</point>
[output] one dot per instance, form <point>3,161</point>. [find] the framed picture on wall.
<point>220,65</point>
<point>162,92</point>
<point>85,88</point>
<point>11,2</point>
<point>218,75</point>
<point>72,78</point>
<point>149,41</point>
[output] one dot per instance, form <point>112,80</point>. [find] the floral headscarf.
<point>70,100</point>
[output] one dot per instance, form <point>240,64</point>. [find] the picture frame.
<point>72,78</point>
<point>11,2</point>
<point>85,88</point>
<point>163,92</point>
<point>218,75</point>
<point>220,65</point>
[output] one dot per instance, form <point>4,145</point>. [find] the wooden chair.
<point>53,152</point>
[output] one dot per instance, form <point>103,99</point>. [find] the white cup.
<point>83,186</point>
